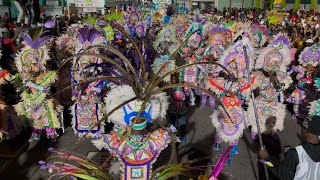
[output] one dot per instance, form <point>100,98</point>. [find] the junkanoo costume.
<point>273,79</point>
<point>87,110</point>
<point>232,91</point>
<point>43,111</point>
<point>192,52</point>
<point>136,150</point>
<point>217,43</point>
<point>305,96</point>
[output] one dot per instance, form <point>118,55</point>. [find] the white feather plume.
<point>120,94</point>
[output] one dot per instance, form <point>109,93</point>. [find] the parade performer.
<point>192,51</point>
<point>273,79</point>
<point>232,92</point>
<point>139,150</point>
<point>87,109</point>
<point>43,111</point>
<point>135,148</point>
<point>307,75</point>
<point>177,109</point>
<point>165,41</point>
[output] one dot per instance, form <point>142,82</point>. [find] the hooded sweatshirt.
<point>287,169</point>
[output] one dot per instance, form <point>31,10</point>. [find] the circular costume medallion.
<point>273,61</point>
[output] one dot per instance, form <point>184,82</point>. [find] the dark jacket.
<point>286,170</point>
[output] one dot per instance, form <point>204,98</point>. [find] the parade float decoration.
<point>232,91</point>
<point>87,109</point>
<point>273,79</point>
<point>43,112</point>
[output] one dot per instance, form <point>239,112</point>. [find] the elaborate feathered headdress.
<point>276,56</point>
<point>259,36</point>
<point>165,35</point>
<point>87,36</point>
<point>234,58</point>
<point>34,54</point>
<point>310,55</point>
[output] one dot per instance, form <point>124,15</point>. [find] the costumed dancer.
<point>43,111</point>
<point>87,109</point>
<point>140,149</point>
<point>308,81</point>
<point>273,79</point>
<point>163,44</point>
<point>217,43</point>
<point>177,109</point>
<point>232,91</point>
<point>192,51</point>
<point>165,41</point>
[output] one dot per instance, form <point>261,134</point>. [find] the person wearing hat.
<point>309,42</point>
<point>303,161</point>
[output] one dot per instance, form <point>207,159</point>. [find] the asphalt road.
<point>200,141</point>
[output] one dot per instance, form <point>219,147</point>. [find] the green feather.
<point>269,164</point>
<point>113,16</point>
<point>85,176</point>
<point>90,20</point>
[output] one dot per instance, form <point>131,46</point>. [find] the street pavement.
<point>200,141</point>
